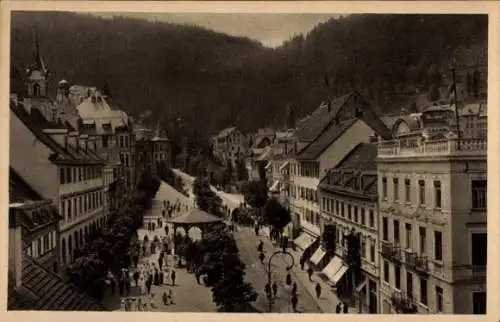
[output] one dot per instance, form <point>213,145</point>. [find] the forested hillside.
<point>213,80</point>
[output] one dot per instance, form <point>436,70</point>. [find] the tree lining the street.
<point>255,193</point>
<point>276,215</point>
<point>224,272</point>
<point>109,250</point>
<point>206,199</point>
<point>166,174</point>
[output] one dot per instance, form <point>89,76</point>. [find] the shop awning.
<point>317,256</point>
<point>275,185</point>
<point>284,165</point>
<point>304,241</point>
<point>333,266</point>
<point>336,278</point>
<point>361,286</point>
<point>268,165</point>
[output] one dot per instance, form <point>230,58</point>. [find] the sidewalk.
<point>328,300</point>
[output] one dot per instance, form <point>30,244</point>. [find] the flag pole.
<point>456,106</point>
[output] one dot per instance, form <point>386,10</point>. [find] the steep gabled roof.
<point>64,154</point>
<point>44,290</point>
<point>20,190</point>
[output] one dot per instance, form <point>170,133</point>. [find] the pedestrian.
<point>171,296</point>
<point>288,279</point>
<point>267,288</point>
<point>165,298</point>
<point>310,273</point>
<point>166,230</point>
<point>338,308</point>
<point>127,286</point>
<point>294,288</point>
<point>295,300</point>
<point>262,257</point>
<point>346,307</point>
<point>260,247</point>
<point>160,261</point>
<point>302,263</point>
<point>256,230</point>
<point>136,277</point>
<point>275,289</point>
<point>172,277</point>
<point>318,290</point>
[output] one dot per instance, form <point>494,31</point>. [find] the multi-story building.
<point>349,209</point>
<point>39,218</point>
<point>474,120</point>
<point>33,283</point>
<point>322,141</point>
<point>229,146</point>
<point>152,149</point>
<point>432,198</point>
<point>281,147</point>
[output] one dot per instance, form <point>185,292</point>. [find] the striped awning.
<point>332,268</point>
<point>304,241</point>
<point>317,256</point>
<point>336,278</point>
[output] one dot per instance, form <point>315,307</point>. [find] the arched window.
<point>36,89</point>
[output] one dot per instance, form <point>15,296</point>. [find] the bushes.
<point>206,199</point>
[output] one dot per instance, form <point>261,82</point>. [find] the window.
<point>104,141</point>
<point>337,212</point>
<point>397,276</point>
<point>68,175</point>
<point>363,248</point>
<point>349,213</point>
<point>384,187</point>
<point>372,252</point>
<point>423,291</point>
<point>423,240</point>
<point>438,245</point>
<point>324,203</point>
<point>69,209</point>
<point>407,190</point>
<point>421,192</point>
<point>439,299</point>
<point>372,219</point>
<point>395,183</point>
<point>479,193</point>
<point>342,209</point>
<point>437,194</point>
<point>355,214</point>
<point>396,231</point>
<point>386,271</point>
<point>409,284</point>
<point>363,219</point>
<point>46,243</point>
<point>62,176</point>
<point>385,229</point>
<point>479,302</point>
<point>479,249</point>
<point>408,236</point>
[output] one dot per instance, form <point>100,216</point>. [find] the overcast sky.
<point>270,29</point>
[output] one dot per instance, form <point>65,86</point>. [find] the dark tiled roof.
<point>355,174</point>
<point>315,148</point>
<point>316,123</point>
<point>362,157</point>
<point>324,126</point>
<point>36,125</point>
<point>44,290</point>
<point>20,190</point>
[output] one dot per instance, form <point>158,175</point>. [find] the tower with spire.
<point>37,75</point>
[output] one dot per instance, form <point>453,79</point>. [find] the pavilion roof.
<point>195,216</point>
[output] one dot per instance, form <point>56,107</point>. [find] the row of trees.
<point>269,211</point>
<point>110,250</point>
<point>206,199</point>
<point>216,258</point>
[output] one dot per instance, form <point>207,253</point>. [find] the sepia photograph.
<point>248,162</point>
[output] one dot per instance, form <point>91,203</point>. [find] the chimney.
<point>15,248</point>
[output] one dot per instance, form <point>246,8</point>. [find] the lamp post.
<point>269,282</point>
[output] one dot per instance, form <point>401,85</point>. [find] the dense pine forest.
<point>213,80</point>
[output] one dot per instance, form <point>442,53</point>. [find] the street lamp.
<point>269,282</point>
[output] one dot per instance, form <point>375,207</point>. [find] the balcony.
<point>390,251</point>
<point>412,147</point>
<point>476,273</point>
<point>403,303</point>
<point>416,262</point>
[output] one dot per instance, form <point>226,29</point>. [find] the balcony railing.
<point>390,251</point>
<point>403,303</point>
<point>414,147</point>
<point>416,262</point>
